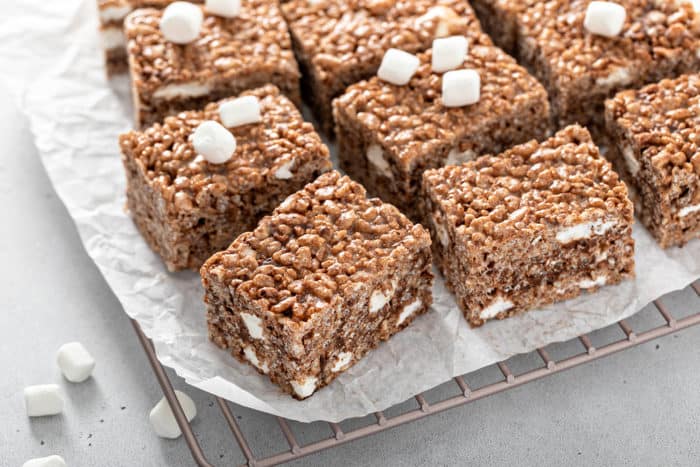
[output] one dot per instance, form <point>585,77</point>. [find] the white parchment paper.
<point>50,57</point>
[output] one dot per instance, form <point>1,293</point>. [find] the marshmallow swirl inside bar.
<point>231,55</point>
<point>540,223</point>
<point>388,135</point>
<point>318,284</point>
<point>191,197</point>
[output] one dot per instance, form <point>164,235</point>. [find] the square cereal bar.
<point>187,208</point>
<point>537,224</point>
<point>230,56</point>
<point>340,42</point>
<point>654,136</point>
<point>659,39</point>
<point>389,135</point>
<point>321,282</point>
<point>112,14</point>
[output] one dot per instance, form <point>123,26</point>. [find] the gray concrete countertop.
<point>639,407</point>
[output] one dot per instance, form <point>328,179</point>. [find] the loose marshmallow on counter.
<point>214,142</point>
<point>181,22</point>
<point>225,8</point>
<point>605,18</point>
<point>398,67</point>
<point>449,53</point>
<point>241,111</point>
<point>50,461</point>
<point>43,399</point>
<point>163,420</point>
<point>75,362</point>
<point>461,88</point>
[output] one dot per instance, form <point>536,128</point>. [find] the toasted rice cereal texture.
<point>655,144</point>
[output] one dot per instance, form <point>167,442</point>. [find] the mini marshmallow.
<point>449,53</point>
<point>461,88</point>
<point>214,142</point>
<point>75,362</point>
<point>605,18</point>
<point>224,8</point>
<point>50,461</point>
<point>241,111</point>
<point>181,22</point>
<point>398,67</point>
<point>163,420</point>
<point>42,400</point>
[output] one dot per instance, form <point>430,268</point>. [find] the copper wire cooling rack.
<point>670,323</point>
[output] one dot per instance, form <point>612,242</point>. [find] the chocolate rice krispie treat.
<point>499,18</point>
<point>112,14</point>
<point>340,42</point>
<point>654,136</point>
<point>229,56</point>
<point>388,135</point>
<point>537,224</point>
<point>580,69</point>
<point>188,208</point>
<point>318,284</point>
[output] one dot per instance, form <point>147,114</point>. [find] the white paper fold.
<point>52,60</point>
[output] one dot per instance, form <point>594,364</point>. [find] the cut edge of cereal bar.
<point>318,284</point>
<point>538,224</point>
<point>653,134</point>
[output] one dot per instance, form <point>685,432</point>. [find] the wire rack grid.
<point>465,394</point>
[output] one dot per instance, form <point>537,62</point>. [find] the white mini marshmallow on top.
<point>50,461</point>
<point>163,420</point>
<point>75,362</point>
<point>461,88</point>
<point>605,18</point>
<point>449,53</point>
<point>43,400</point>
<point>224,8</point>
<point>398,67</point>
<point>241,111</point>
<point>181,22</point>
<point>214,142</point>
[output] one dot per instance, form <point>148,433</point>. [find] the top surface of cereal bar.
<point>171,163</point>
<point>654,30</point>
<point>117,9</point>
<point>663,120</point>
<point>410,121</point>
<point>343,34</point>
<point>317,248</point>
<point>255,42</point>
<point>561,182</point>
